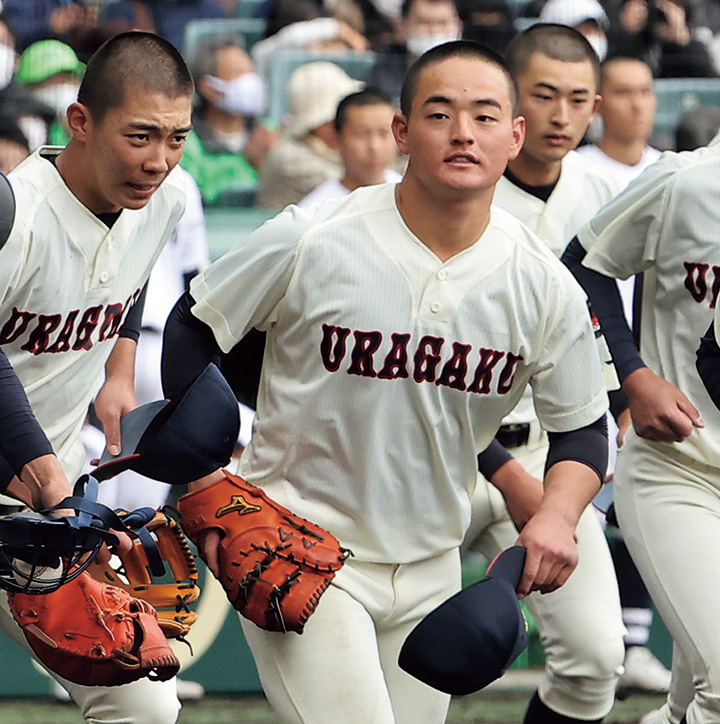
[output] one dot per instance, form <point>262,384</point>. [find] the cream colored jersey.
<point>387,370</point>
<point>579,194</point>
<point>666,225</point>
<point>66,284</point>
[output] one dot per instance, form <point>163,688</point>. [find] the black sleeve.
<point>133,321</point>
<point>708,364</point>
<point>492,458</point>
<point>21,437</point>
<point>607,305</point>
<point>189,346</point>
<point>587,445</point>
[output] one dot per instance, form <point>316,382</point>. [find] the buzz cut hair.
<point>557,42</point>
<point>135,58</point>
<point>454,49</point>
<point>368,96</point>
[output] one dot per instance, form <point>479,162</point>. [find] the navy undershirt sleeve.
<point>21,437</point>
<point>607,305</point>
<point>708,364</point>
<point>587,445</point>
<point>492,459</point>
<point>133,321</point>
<point>189,346</point>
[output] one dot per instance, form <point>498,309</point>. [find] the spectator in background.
<point>41,19</point>
<point>661,33</point>
<point>227,145</point>
<point>302,25</point>
<point>586,16</point>
<point>51,72</point>
<point>424,24</point>
<point>17,106</point>
<point>167,18</point>
<point>365,142</point>
<point>697,127</point>
<point>490,22</point>
<point>308,154</point>
<point>13,145</point>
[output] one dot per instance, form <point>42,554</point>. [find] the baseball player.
<point>396,344</point>
<point>550,189</point>
<point>91,220</point>
<point>667,478</point>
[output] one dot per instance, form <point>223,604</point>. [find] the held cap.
<point>179,440</point>
<point>470,640</point>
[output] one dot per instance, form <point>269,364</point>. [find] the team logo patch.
<point>239,505</point>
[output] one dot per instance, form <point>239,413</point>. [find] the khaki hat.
<point>46,58</point>
<point>314,92</point>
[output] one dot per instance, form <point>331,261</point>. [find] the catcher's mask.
<point>40,551</point>
<point>179,440</point>
<point>469,640</point>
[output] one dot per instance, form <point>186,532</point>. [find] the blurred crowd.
<point>264,127</point>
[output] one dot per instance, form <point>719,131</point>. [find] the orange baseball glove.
<point>275,565</point>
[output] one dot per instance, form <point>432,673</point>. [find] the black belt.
<point>513,435</point>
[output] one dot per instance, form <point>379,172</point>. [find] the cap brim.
<point>132,428</point>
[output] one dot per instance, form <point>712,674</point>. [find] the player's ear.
<point>518,130</point>
<point>597,103</point>
<point>78,118</point>
<point>399,130</point>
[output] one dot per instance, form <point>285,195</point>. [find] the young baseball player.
<point>396,345</point>
<point>551,190</point>
<point>667,478</point>
<point>91,219</point>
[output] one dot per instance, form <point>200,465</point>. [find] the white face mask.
<point>35,131</point>
<point>599,44</point>
<point>419,44</point>
<point>58,97</point>
<point>7,65</point>
<point>241,96</point>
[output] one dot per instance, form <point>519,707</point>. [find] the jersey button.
<point>435,307</point>
<point>442,275</point>
<point>104,276</point>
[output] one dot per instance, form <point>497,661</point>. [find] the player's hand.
<point>624,420</point>
<point>522,492</point>
<point>209,541</point>
<point>551,553</point>
<point>115,399</point>
<point>659,410</point>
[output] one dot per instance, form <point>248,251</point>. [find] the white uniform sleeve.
<point>243,288</point>
<point>192,248</point>
<point>570,369</point>
<point>621,240</point>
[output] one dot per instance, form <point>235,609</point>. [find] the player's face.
<point>460,132</point>
<point>367,145</point>
<point>133,149</point>
<point>557,99</point>
<point>629,101</point>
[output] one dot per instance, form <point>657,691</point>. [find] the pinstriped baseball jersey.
<point>66,284</point>
<point>579,194</point>
<point>387,370</point>
<point>666,224</point>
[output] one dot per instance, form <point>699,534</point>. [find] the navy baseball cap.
<point>179,440</point>
<point>470,640</point>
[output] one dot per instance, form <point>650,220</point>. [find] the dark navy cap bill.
<point>179,440</point>
<point>7,209</point>
<point>471,639</point>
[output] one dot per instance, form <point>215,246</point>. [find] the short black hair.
<point>454,49</point>
<point>368,96</point>
<point>620,58</point>
<point>558,42</point>
<point>132,59</point>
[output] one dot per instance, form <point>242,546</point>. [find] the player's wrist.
<point>206,481</point>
